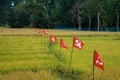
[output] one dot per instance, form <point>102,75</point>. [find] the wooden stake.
<point>71,57</point>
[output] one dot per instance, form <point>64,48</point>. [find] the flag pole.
<point>93,66</point>
<point>71,57</point>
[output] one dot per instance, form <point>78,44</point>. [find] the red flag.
<point>78,43</point>
<point>36,30</point>
<point>53,39</point>
<point>45,32</point>
<point>63,44</point>
<point>40,33</point>
<point>98,61</point>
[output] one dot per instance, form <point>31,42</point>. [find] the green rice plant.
<point>107,47</point>
<point>22,52</point>
<point>30,75</point>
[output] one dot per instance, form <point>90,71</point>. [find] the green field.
<point>24,55</point>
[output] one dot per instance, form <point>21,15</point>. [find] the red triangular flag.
<point>63,44</point>
<point>98,61</point>
<point>40,32</point>
<point>53,39</point>
<point>78,43</point>
<point>36,30</point>
<point>45,32</point>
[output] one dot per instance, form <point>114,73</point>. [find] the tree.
<point>5,8</point>
<point>76,12</point>
<point>90,10</point>
<point>55,13</point>
<point>21,17</point>
<point>117,5</point>
<point>102,16</point>
<point>48,13</point>
<point>66,6</point>
<point>113,12</point>
<point>48,8</point>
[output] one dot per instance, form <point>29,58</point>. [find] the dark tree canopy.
<point>70,13</point>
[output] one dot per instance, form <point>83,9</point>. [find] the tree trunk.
<point>21,2</point>
<point>89,21</point>
<point>117,19</point>
<point>32,24</point>
<point>73,23</point>
<point>47,16</point>
<point>79,22</point>
<point>78,16</point>
<point>98,21</point>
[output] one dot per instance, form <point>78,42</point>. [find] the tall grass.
<point>30,75</point>
<point>107,47</point>
<point>22,52</point>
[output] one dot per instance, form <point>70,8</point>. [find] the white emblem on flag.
<point>64,44</point>
<point>99,61</point>
<point>53,39</point>
<point>78,43</point>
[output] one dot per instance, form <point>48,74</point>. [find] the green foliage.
<point>49,13</point>
<point>21,16</point>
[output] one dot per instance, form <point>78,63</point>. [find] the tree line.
<point>88,14</point>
